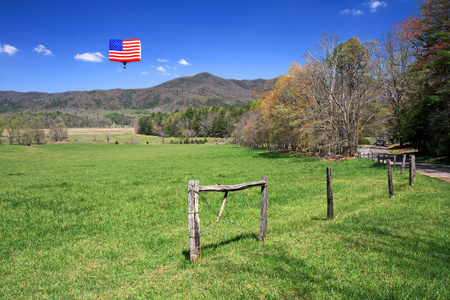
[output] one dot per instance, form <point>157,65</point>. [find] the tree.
<point>395,58</point>
<point>13,128</point>
<point>250,131</point>
<point>2,127</point>
<point>59,132</point>
<point>429,112</point>
<point>26,136</point>
<point>344,82</point>
<point>285,109</point>
<point>37,131</point>
<point>206,124</point>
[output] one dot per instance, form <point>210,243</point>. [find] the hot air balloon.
<point>125,51</point>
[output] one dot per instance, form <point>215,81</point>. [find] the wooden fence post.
<point>330,211</point>
<point>194,221</point>
<point>264,210</point>
<point>379,157</point>
<point>403,164</point>
<point>389,176</point>
<point>395,160</point>
<point>412,169</point>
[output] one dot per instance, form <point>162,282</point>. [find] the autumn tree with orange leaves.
<point>322,106</point>
<point>284,111</point>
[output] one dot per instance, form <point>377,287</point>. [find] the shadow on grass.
<point>214,246</point>
<point>272,154</point>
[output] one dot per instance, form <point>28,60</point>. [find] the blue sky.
<point>57,46</point>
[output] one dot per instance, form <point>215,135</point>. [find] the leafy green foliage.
<point>429,114</point>
<point>207,121</point>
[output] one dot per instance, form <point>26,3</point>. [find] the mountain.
<point>195,91</point>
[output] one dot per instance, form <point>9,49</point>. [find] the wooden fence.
<point>195,189</point>
<point>194,219</point>
<point>392,158</point>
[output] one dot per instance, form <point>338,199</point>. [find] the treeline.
<point>28,130</point>
<point>77,119</point>
<point>401,79</point>
<point>322,106</point>
<point>203,122</point>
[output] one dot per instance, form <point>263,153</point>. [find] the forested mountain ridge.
<point>196,91</point>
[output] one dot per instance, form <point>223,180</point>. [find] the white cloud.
<point>353,12</point>
<point>42,49</point>
<point>11,50</point>
<point>144,73</point>
<point>161,69</point>
<point>92,57</point>
<point>163,60</point>
<point>183,62</point>
<point>375,4</point>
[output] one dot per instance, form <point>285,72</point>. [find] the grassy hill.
<point>195,91</point>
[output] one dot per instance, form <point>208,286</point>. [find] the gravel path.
<point>441,172</point>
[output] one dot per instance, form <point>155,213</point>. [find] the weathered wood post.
<point>412,169</point>
<point>389,176</point>
<point>403,164</point>
<point>194,221</point>
<point>264,210</point>
<point>222,208</point>
<point>395,160</point>
<point>379,157</point>
<point>330,211</point>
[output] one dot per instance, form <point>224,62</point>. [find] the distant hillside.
<point>196,91</point>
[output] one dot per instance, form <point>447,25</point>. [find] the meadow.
<point>107,221</point>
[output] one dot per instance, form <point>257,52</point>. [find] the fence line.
<point>386,158</point>
<point>195,190</point>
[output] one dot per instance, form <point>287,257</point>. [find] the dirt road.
<point>436,171</point>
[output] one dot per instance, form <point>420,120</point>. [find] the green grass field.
<point>105,221</point>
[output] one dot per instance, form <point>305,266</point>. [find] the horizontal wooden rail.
<point>228,188</point>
